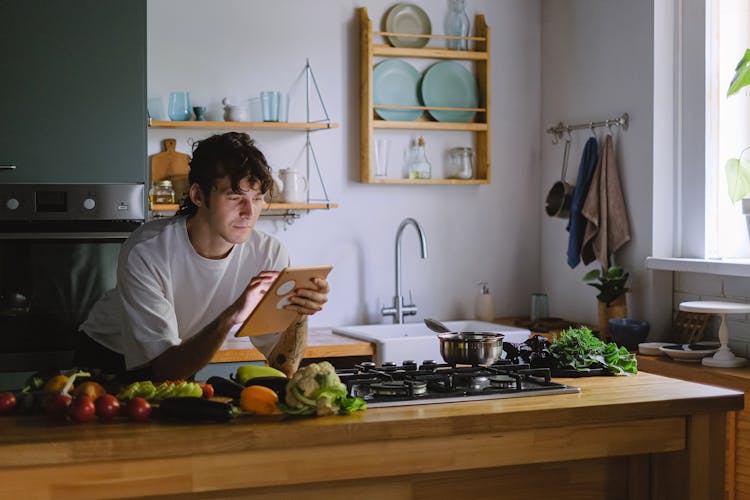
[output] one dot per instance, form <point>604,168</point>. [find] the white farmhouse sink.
<point>414,341</point>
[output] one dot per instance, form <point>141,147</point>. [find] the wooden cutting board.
<point>171,165</point>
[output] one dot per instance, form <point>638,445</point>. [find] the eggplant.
<point>195,409</point>
<point>276,384</point>
<point>225,388</point>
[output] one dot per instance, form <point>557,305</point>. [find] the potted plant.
<point>612,286</point>
<point>738,169</point>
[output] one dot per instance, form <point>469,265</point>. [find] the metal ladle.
<point>436,326</point>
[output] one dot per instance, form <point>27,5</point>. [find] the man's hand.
<point>244,305</point>
<point>309,301</point>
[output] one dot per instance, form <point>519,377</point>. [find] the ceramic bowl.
<point>628,332</point>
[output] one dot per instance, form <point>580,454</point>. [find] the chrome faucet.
<point>399,309</point>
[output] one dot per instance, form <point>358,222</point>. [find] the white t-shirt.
<point>166,292</point>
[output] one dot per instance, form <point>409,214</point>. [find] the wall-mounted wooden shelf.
<point>370,122</point>
<point>244,125</point>
<point>428,181</point>
<point>268,206</point>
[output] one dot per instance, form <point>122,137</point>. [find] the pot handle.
<point>566,153</point>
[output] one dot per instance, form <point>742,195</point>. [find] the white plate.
<point>652,348</point>
<point>689,352</point>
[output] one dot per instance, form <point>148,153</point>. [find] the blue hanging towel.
<point>577,222</point>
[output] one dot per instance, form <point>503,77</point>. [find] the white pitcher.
<point>295,186</point>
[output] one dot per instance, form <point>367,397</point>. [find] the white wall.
<point>597,59</point>
<point>237,48</point>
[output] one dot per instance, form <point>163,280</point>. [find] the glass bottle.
<point>457,24</point>
<point>419,167</point>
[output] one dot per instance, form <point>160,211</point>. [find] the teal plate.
<point>448,84</point>
<point>395,83</point>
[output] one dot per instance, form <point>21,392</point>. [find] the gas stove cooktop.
<point>430,382</point>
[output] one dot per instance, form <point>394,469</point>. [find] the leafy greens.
<point>579,349</point>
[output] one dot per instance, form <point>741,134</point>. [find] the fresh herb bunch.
<point>578,349</point>
<point>611,283</point>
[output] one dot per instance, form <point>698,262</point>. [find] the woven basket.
<point>689,327</point>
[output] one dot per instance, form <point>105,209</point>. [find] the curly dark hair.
<point>233,154</point>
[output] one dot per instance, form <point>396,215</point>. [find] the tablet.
<point>269,316</point>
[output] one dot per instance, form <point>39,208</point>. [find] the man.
<point>186,282</point>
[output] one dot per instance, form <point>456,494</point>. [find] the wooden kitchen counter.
<point>620,437</point>
<point>321,343</point>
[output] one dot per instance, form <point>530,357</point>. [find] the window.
<point>727,125</point>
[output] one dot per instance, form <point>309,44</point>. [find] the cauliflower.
<point>316,388</point>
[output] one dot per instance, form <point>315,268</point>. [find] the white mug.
<point>295,186</point>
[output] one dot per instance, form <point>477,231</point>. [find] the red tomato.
<point>7,402</point>
<point>139,409</point>
<point>82,409</point>
<point>107,407</point>
<point>208,391</point>
<point>57,407</point>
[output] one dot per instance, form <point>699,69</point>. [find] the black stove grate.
<point>446,383</point>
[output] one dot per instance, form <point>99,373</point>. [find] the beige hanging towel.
<point>607,223</point>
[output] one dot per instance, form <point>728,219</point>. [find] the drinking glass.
<point>283,106</point>
<point>269,101</point>
<point>539,306</point>
<point>179,106</point>
<point>381,157</point>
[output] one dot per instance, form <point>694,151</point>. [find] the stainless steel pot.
<point>471,348</point>
<point>560,197</point>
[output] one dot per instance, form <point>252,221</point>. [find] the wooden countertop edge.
<point>322,343</point>
<point>734,378</point>
<point>37,441</point>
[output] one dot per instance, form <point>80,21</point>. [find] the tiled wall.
<point>696,286</point>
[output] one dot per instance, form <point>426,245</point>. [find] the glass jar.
<point>419,166</point>
<point>162,193</point>
<point>460,163</point>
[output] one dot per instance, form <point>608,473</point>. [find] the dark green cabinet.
<point>73,89</point>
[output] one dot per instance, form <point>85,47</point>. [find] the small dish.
<point>689,352</point>
<point>652,348</point>
<point>408,18</point>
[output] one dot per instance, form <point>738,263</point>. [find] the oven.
<point>59,245</point>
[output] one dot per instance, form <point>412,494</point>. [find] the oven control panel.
<point>72,202</point>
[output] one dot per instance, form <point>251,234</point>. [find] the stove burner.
<point>503,381</point>
<point>399,388</point>
<point>471,381</point>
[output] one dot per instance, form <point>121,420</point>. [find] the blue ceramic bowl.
<point>628,332</point>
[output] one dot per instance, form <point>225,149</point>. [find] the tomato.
<point>139,409</point>
<point>57,407</point>
<point>208,390</point>
<point>7,402</point>
<point>107,407</point>
<point>82,409</point>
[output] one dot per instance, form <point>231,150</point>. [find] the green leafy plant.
<point>738,169</point>
<point>610,283</point>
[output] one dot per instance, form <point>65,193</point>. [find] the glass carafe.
<point>457,24</point>
<point>419,166</point>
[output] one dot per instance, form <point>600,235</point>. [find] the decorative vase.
<point>618,308</point>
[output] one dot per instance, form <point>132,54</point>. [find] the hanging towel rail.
<point>559,129</point>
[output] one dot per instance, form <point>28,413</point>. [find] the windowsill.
<point>721,267</point>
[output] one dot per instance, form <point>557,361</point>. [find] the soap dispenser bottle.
<point>485,303</point>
